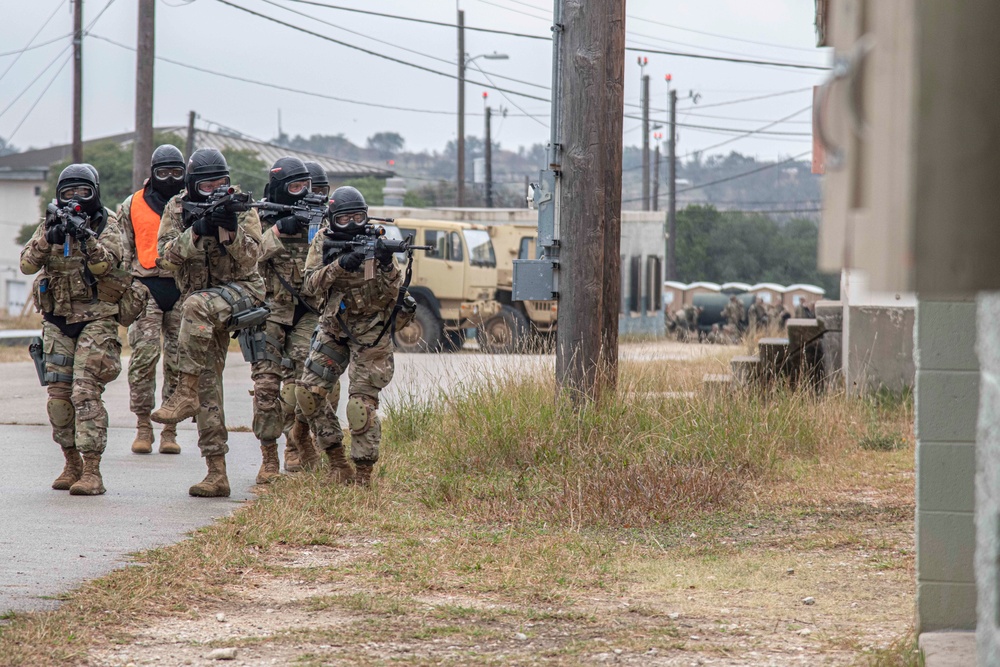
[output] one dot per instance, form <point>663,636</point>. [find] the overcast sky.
<point>224,40</point>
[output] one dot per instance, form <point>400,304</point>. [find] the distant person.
<point>320,181</point>
<point>76,257</point>
<point>734,313</point>
<point>157,328</point>
<point>757,314</point>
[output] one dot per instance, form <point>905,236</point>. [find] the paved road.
<point>51,541</point>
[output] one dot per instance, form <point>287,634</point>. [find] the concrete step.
<point>717,383</point>
<point>800,331</point>
<point>949,649</point>
<point>746,370</point>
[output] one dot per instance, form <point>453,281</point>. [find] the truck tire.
<point>506,332</point>
<point>424,333</point>
<point>453,341</point>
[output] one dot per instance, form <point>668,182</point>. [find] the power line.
<point>416,20</point>
<point>743,174</point>
<point>36,46</point>
<point>39,98</point>
<point>747,99</point>
<point>31,41</point>
<point>720,36</point>
<point>516,11</point>
<point>744,61</point>
<point>526,114</point>
<point>743,136</point>
<point>34,80</point>
<point>712,128</point>
<point>372,53</point>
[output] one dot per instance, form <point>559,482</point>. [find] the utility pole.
<point>142,145</point>
<point>488,155</point>
<point>189,145</point>
<point>587,157</point>
<point>672,192</point>
<point>656,173</point>
<point>461,109</point>
<point>645,142</point>
<point>77,81</point>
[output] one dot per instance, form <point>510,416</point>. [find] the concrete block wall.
<point>947,405</point>
<point>988,481</point>
<point>878,348</point>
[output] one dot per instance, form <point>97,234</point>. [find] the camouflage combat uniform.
<point>289,331</point>
<point>364,306</point>
<point>757,314</point>
<point>734,313</point>
<point>79,332</point>
<point>211,275</point>
<point>160,321</point>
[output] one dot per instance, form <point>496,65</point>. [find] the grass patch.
<point>504,512</point>
<point>903,652</point>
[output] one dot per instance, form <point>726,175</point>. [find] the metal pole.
<point>78,81</point>
<point>656,178</point>
<point>142,146</point>
<point>461,110</point>
<point>189,146</point>
<point>645,142</point>
<point>488,155</point>
<point>672,184</point>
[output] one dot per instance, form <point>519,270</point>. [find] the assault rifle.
<point>224,198</point>
<point>309,211</point>
<point>371,239</point>
<point>71,219</point>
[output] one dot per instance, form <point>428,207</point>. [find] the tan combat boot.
<point>215,484</point>
<point>270,467</point>
<point>71,471</point>
<point>363,476</point>
<point>182,403</point>
<point>292,461</point>
<point>90,483</point>
<point>143,443</point>
<point>340,470</point>
<point>309,456</point>
<point>168,440</point>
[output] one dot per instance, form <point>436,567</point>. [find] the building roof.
<point>41,159</point>
<point>812,289</point>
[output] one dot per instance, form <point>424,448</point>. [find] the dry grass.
<point>653,522</point>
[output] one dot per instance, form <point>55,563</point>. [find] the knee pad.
<point>307,400</point>
<point>360,414</point>
<point>61,412</point>
<point>288,395</point>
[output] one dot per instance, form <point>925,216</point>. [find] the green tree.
<point>247,170</point>
<point>370,187</point>
<point>386,144</point>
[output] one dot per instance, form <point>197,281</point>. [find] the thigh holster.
<point>334,355</point>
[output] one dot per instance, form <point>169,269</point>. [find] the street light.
<point>465,62</point>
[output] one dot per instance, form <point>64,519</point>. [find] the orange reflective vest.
<point>146,225</point>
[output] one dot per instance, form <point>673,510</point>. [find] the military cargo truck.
<point>520,325</point>
<point>454,284</point>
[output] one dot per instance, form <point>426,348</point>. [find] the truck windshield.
<point>392,232</point>
<point>480,247</point>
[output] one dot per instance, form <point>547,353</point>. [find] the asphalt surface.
<point>51,542</point>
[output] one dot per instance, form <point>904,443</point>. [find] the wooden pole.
<point>488,159</point>
<point>592,70</point>
<point>77,81</point>
<point>460,157</point>
<point>142,146</point>
<point>645,142</point>
<point>189,144</point>
<point>672,191</point>
<point>656,177</point>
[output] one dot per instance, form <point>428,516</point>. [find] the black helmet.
<point>285,172</point>
<point>206,164</point>
<point>167,159</point>
<point>346,200</point>
<point>80,183</point>
<point>320,182</point>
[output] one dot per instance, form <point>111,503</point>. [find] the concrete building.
<point>908,131</point>
<point>23,177</point>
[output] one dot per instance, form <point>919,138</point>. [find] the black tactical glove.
<point>383,255</point>
<point>203,226</point>
<point>288,225</point>
<point>55,234</point>
<point>224,219</point>
<point>352,261</point>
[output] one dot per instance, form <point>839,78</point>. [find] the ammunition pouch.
<point>37,351</point>
<point>254,341</point>
<point>41,296</point>
<point>113,285</point>
<point>132,304</point>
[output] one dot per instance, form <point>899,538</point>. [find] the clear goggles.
<point>209,186</point>
<point>299,187</point>
<point>321,190</point>
<point>80,192</point>
<point>356,218</point>
<point>168,173</point>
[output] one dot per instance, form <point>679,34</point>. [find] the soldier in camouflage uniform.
<point>354,316</point>
<point>79,332</point>
<point>214,260</point>
<point>289,327</point>
<point>757,314</point>
<point>139,216</point>
<point>734,313</point>
<point>320,182</point>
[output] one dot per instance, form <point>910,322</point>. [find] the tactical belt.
<point>330,353</point>
<point>58,360</point>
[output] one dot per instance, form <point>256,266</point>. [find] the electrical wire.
<point>516,105</point>
<point>372,53</point>
<point>744,61</point>
<point>36,46</point>
<point>32,40</point>
<point>35,80</point>
<point>39,98</point>
<point>743,174</point>
<point>747,99</point>
<point>516,11</point>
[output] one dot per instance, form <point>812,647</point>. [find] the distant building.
<point>23,177</point>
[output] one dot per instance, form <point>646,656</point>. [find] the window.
<point>408,232</point>
<point>455,252</point>
<point>480,248</point>
<point>439,241</point>
<point>635,284</point>
<point>38,191</point>
<point>654,284</point>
